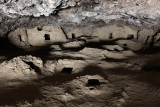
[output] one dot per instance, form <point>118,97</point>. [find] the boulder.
<point>21,68</point>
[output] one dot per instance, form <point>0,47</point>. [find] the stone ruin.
<point>79,53</point>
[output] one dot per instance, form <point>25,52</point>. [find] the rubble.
<point>21,68</point>
<point>79,53</point>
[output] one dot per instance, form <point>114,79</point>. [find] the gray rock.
<point>21,68</point>
<point>34,7</point>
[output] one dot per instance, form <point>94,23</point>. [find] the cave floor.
<point>118,79</point>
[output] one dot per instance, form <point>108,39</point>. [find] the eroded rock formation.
<point>106,10</point>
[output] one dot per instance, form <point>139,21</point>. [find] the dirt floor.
<point>83,78</point>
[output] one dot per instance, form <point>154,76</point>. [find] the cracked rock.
<point>21,68</point>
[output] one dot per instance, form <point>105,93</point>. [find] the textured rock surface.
<point>129,10</point>
<point>34,7</point>
<point>117,85</point>
<point>21,68</point>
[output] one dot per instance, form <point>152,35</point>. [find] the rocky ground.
<point>110,76</point>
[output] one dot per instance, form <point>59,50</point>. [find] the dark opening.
<point>110,36</point>
<point>130,36</point>
<point>93,82</point>
<point>39,28</point>
<point>73,36</point>
<point>124,44</point>
<point>115,49</point>
<point>33,66</point>
<point>147,40</point>
<point>47,36</point>
<point>67,70</point>
<point>20,38</point>
<point>91,88</point>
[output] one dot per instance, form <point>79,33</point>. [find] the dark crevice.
<point>20,38</point>
<point>130,36</point>
<point>110,36</point>
<point>33,66</point>
<point>39,28</point>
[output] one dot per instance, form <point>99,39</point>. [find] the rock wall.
<point>138,12</point>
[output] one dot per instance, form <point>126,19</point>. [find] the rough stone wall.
<point>34,7</point>
<point>137,12</point>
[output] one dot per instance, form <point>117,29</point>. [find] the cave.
<point>79,53</point>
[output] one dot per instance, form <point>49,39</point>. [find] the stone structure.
<point>79,53</point>
<point>37,37</point>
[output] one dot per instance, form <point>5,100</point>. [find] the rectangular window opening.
<point>110,35</point>
<point>67,70</point>
<point>47,36</point>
